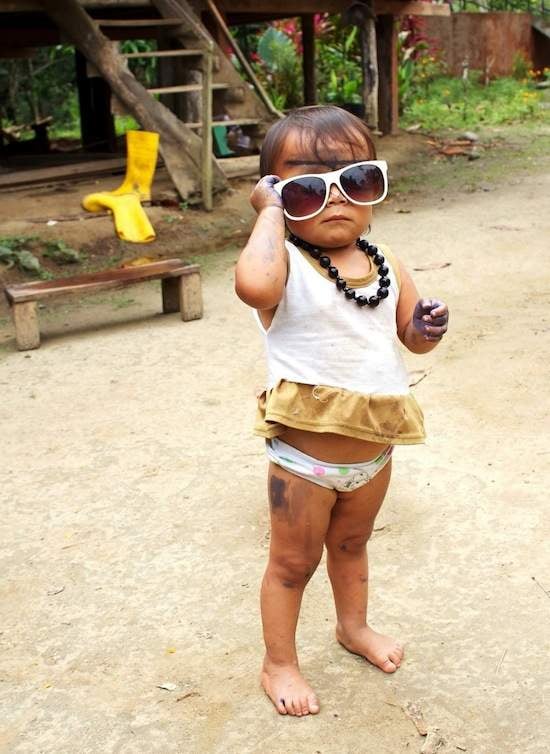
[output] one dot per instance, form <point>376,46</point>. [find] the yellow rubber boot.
<point>141,161</point>
<point>131,222</point>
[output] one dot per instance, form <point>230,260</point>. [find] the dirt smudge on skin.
<point>277,494</point>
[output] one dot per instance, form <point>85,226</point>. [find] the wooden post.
<point>191,293</point>
<point>369,61</point>
<point>206,132</point>
<point>170,288</point>
<point>387,74</point>
<point>27,332</point>
<point>308,58</point>
<point>97,127</point>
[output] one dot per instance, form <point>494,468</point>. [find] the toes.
<point>281,709</point>
<point>313,704</point>
<point>395,657</point>
<point>388,666</point>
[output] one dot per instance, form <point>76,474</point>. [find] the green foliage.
<point>280,64</point>
<point>446,102</point>
<point>39,86</point>
<point>339,71</point>
<point>14,251</point>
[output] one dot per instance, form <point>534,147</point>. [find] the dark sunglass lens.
<point>304,196</point>
<point>363,183</point>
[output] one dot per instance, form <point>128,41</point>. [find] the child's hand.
<point>263,194</point>
<point>430,318</point>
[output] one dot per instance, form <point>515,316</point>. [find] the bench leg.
<point>170,295</point>
<point>190,296</point>
<point>25,319</point>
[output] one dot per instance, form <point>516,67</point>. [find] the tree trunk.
<point>179,146</point>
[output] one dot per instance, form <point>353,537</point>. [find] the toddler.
<point>332,307</point>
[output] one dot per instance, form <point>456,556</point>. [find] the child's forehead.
<point>303,148</point>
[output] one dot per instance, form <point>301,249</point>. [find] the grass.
<point>451,103</point>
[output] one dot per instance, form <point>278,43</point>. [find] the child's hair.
<point>318,125</point>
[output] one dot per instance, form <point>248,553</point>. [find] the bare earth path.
<point>134,522</point>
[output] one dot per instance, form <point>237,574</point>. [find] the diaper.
<point>342,477</point>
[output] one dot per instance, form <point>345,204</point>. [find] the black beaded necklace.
<point>368,248</point>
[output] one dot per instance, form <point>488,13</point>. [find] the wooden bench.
<point>181,291</point>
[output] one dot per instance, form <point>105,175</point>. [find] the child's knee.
<point>294,570</point>
<point>352,546</point>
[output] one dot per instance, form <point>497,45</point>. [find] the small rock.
<point>470,135</point>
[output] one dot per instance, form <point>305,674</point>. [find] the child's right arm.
<point>261,272</point>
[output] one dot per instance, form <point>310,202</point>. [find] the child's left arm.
<point>421,322</point>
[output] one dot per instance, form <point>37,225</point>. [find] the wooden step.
<point>182,88</point>
<point>165,54</point>
<point>234,122</point>
<point>138,22</point>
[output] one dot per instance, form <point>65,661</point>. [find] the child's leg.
<point>351,525</point>
<point>300,515</point>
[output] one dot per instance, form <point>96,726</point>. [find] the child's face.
<point>341,221</point>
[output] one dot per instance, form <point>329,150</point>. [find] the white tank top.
<point>318,337</point>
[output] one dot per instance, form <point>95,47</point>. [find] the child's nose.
<point>335,195</point>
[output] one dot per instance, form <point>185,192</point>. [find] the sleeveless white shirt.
<point>318,337</point>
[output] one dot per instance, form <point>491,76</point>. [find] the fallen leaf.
<point>412,710</point>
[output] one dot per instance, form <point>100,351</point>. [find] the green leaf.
<point>27,261</point>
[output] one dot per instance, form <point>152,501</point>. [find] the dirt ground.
<point>134,521</point>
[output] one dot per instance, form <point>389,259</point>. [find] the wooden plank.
<point>97,281</point>
<point>164,54</point>
<point>239,167</point>
<point>184,88</point>
<point>132,23</point>
<point>25,320</point>
<point>230,122</point>
<point>61,172</point>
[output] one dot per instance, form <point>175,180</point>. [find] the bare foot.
<point>288,690</point>
<point>380,650</point>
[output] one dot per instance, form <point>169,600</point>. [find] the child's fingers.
<point>438,309</point>
<point>434,333</point>
<point>437,321</point>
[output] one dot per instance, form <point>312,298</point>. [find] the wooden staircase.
<point>220,92</point>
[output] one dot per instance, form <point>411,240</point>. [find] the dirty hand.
<point>263,194</point>
<point>430,318</point>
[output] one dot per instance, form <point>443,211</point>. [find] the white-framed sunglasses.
<point>304,196</point>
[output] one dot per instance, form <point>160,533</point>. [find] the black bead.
<point>361,300</point>
<point>349,293</point>
<point>324,262</point>
<point>315,253</point>
<point>362,244</point>
<point>340,283</point>
<point>371,249</point>
<point>374,301</point>
<point>384,283</point>
<point>378,259</point>
<point>382,293</point>
<point>333,272</point>
<point>383,270</point>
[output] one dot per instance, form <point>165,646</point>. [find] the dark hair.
<point>319,125</point>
